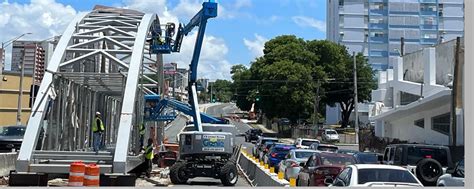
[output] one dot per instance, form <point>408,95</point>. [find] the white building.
<point>333,114</point>
<point>375,27</point>
<point>416,96</point>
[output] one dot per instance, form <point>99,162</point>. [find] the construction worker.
<point>142,135</point>
<point>97,130</point>
<point>149,154</point>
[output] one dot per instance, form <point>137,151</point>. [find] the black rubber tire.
<point>229,175</point>
<point>178,173</point>
<point>428,171</point>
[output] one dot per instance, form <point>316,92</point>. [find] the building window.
<point>420,123</point>
<point>441,123</point>
<point>341,3</point>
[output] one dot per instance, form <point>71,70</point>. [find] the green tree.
<point>338,66</point>
<point>286,71</point>
<point>221,90</point>
<point>240,88</point>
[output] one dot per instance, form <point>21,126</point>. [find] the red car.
<point>322,165</point>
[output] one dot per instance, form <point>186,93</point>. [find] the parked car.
<point>294,160</point>
<point>277,153</point>
<point>12,136</point>
<point>453,177</point>
<point>374,175</point>
<point>252,134</point>
<point>305,142</point>
<point>266,148</point>
<point>259,144</point>
<point>330,135</point>
<point>324,147</point>
<point>346,151</point>
<point>366,158</point>
<point>427,162</point>
<point>322,165</point>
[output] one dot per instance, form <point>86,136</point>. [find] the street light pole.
<point>20,94</point>
<point>5,44</point>
<point>356,101</point>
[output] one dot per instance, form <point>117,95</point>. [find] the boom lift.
<point>208,152</point>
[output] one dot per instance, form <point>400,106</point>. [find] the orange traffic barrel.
<point>92,175</point>
<point>76,174</point>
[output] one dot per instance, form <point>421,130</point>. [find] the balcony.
<point>428,12</point>
<point>378,12</point>
<point>428,1</point>
<point>378,26</point>
<point>429,41</point>
<point>378,40</point>
<point>429,27</point>
<point>378,54</point>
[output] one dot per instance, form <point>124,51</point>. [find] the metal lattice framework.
<point>101,63</point>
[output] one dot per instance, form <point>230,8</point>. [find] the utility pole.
<point>211,92</point>
<point>456,102</point>
<point>20,90</point>
<point>356,101</point>
<point>316,104</point>
<point>402,46</point>
<point>174,86</point>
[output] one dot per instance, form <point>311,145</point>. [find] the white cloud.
<point>266,21</point>
<point>46,18</point>
<point>153,6</point>
<point>242,3</point>
<point>43,18</point>
<point>256,46</point>
<point>212,62</point>
<point>310,22</point>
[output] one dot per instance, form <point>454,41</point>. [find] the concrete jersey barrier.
<point>7,163</point>
<point>256,174</point>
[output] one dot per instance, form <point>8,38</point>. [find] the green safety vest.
<point>149,152</point>
<point>142,129</point>
<point>94,125</point>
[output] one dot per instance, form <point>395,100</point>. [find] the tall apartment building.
<point>375,27</point>
<point>32,55</point>
<point>182,78</point>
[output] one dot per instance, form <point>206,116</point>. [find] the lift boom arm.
<point>209,10</point>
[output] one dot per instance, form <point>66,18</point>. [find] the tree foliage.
<point>286,77</point>
<point>221,90</point>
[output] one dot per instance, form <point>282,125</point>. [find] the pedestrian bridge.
<point>102,63</point>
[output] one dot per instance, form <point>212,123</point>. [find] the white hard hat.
<point>97,113</point>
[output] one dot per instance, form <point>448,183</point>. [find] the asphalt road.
<point>217,110</point>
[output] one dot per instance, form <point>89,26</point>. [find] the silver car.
<point>290,167</point>
<point>453,177</point>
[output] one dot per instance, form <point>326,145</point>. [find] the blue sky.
<point>237,35</point>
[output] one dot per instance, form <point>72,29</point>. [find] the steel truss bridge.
<point>101,63</point>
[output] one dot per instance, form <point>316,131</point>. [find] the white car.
<point>453,177</point>
<point>374,175</point>
<point>291,165</point>
<point>330,135</point>
<point>304,143</point>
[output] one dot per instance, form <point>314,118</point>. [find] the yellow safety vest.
<point>149,152</point>
<point>142,129</point>
<point>94,125</point>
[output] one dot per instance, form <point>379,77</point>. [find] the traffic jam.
<point>310,162</point>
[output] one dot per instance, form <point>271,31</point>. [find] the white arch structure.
<point>100,64</point>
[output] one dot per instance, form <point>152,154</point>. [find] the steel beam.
<point>129,98</point>
<point>33,128</point>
